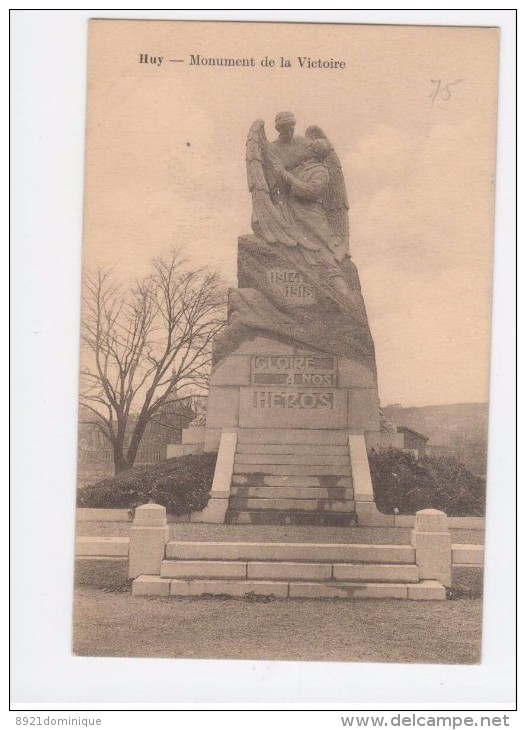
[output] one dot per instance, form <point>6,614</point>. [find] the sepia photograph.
<point>263,384</point>
<point>285,341</point>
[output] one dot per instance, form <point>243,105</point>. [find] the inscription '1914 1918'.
<point>293,286</point>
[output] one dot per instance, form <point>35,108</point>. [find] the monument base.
<point>303,421</point>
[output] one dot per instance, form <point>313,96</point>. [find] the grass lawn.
<point>113,623</point>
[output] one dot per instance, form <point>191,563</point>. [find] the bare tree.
<point>145,344</point>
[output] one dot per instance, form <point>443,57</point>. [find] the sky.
<point>165,166</point>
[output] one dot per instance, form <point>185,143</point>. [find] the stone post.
<point>148,536</point>
<point>431,539</point>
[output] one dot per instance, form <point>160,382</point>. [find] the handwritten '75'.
<point>442,90</point>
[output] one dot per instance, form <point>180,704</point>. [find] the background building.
<point>95,453</point>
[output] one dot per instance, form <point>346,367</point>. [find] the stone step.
<point>226,569</point>
<point>313,518</point>
<point>292,436</point>
<point>260,480</point>
<point>311,459</point>
<point>426,590</point>
<point>305,552</point>
<point>293,469</point>
<point>148,585</point>
<point>337,493</point>
<point>321,449</point>
<point>312,505</point>
<point>203,569</point>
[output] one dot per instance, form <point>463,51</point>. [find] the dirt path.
<point>115,624</point>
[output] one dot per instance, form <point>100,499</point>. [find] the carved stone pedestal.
<point>293,406</point>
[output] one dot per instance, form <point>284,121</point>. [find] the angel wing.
<point>335,200</point>
<point>267,220</point>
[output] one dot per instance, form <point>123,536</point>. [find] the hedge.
<point>403,482</point>
<point>400,482</point>
<point>181,484</point>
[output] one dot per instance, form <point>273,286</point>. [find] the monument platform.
<point>288,414</point>
<point>289,570</point>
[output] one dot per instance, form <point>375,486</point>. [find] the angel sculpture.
<point>299,198</point>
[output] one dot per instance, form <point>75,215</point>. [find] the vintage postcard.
<point>288,241</point>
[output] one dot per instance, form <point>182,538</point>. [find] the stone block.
<point>347,590</point>
<point>193,436</point>
<point>225,464</point>
<point>433,555</point>
<point>292,493</point>
<point>431,520</point>
<point>239,479</point>
<point>148,537</point>
<point>232,370</point>
<point>290,481</point>
<point>222,407</point>
<point>381,573</point>
<point>352,374</point>
<point>296,505</point>
<point>287,551</point>
<point>310,459</point>
<point>212,439</point>
<point>290,571</point>
<point>292,470</point>
<point>238,588</point>
<point>256,504</point>
<point>426,590</point>
<point>177,450</point>
<point>364,410</point>
<point>203,569</point>
<point>361,475</point>
<point>147,546</point>
<point>467,554</point>
<point>344,482</point>
<point>150,585</point>
<point>292,517</point>
<point>368,515</point>
<point>150,515</point>
<point>253,416</point>
<point>342,506</point>
<point>294,449</point>
<point>291,436</point>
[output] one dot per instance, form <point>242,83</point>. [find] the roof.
<point>405,429</point>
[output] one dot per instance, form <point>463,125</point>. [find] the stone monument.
<point>293,400</point>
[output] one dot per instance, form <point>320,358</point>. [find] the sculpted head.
<point>285,123</point>
<point>319,148</point>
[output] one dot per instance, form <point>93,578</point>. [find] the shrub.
<point>182,485</point>
<point>402,481</point>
